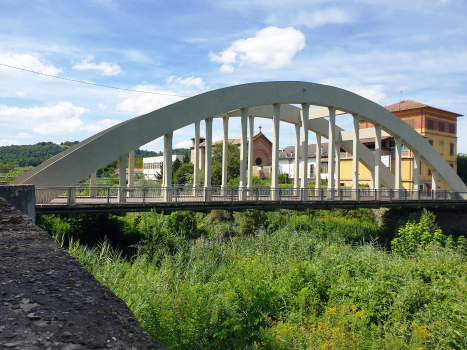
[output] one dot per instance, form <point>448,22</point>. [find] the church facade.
<point>262,149</point>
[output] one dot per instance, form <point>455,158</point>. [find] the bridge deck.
<point>114,199</point>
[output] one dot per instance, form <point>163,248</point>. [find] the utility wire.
<point>85,82</point>
<point>143,92</point>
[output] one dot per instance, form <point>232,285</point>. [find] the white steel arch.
<point>268,100</point>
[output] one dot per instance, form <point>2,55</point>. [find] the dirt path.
<point>49,301</point>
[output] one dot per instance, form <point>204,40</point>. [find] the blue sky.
<point>371,47</point>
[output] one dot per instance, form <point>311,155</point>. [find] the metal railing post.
<point>144,195</point>
<point>390,194</point>
<point>175,194</point>
<point>445,195</point>
<point>340,194</point>
<point>322,196</point>
<point>406,195</point>
<point>301,195</point>
<point>257,195</point>
<point>232,193</point>
<point>418,195</point>
<point>280,195</point>
<point>376,191</point>
<point>108,196</point>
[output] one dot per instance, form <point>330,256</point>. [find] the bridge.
<point>308,106</point>
<point>50,200</point>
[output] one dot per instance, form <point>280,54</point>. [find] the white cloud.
<point>101,125</point>
<point>23,134</point>
<point>8,142</point>
<point>20,94</point>
<point>144,103</point>
<point>190,81</point>
<point>28,62</point>
<point>102,106</point>
<point>63,118</point>
<point>184,144</point>
<point>271,48</point>
<point>371,92</point>
<point>319,18</point>
<point>105,67</point>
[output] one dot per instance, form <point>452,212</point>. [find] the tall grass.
<point>290,290</point>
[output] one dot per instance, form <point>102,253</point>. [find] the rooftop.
<point>409,104</point>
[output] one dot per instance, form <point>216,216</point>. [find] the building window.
<point>312,171</point>
<point>431,124</point>
<point>452,129</point>
<point>451,164</point>
<point>441,146</point>
<point>429,172</point>
<point>258,161</point>
<point>451,148</point>
<point>430,141</point>
<point>324,168</point>
<point>441,126</point>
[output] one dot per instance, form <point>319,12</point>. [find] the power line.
<point>85,82</point>
<point>143,92</point>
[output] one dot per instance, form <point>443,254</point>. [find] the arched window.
<point>258,161</point>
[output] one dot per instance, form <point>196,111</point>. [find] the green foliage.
<point>424,235</point>
<point>186,158</point>
<point>29,155</point>
<point>69,143</point>
<point>248,221</point>
<point>184,223</point>
<point>233,163</point>
<point>284,179</point>
<point>285,280</point>
<point>184,174</point>
<point>290,290</point>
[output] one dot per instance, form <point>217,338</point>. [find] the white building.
<point>287,162</point>
<point>152,165</point>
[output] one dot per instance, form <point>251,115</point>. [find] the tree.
<point>462,166</point>
<point>186,158</point>
<point>184,174</point>
<point>176,165</point>
<point>159,174</point>
<point>233,163</point>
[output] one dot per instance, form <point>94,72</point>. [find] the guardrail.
<point>146,195</point>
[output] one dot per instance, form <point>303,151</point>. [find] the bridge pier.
<point>331,151</point>
<point>356,155</point>
<point>243,151</point>
<point>131,173</point>
<point>167,167</point>
<point>377,183</point>
<point>93,183</point>
<point>225,154</point>
<point>318,164</point>
<point>208,159</point>
<point>305,117</point>
<point>296,180</point>
<point>122,180</point>
<point>276,115</point>
<point>397,167</point>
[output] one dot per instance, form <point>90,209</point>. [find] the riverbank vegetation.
<point>280,280</point>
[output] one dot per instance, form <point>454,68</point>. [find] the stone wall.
<point>48,300</point>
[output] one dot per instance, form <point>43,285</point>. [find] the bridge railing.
<point>146,195</point>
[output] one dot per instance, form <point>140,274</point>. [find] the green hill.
<point>12,157</point>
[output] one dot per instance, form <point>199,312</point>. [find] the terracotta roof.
<point>409,104</point>
<point>372,139</point>
<point>235,141</point>
<point>135,169</point>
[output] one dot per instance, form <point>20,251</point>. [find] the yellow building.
<point>438,126</point>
